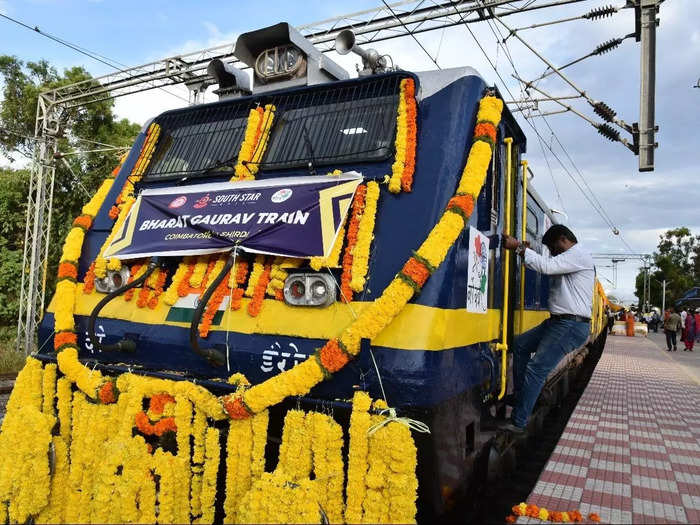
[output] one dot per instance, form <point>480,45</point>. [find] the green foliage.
<point>677,260</point>
<point>11,361</point>
<point>77,176</point>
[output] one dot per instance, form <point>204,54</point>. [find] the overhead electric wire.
<point>412,35</point>
<point>84,51</point>
<point>598,210</point>
<point>598,206</point>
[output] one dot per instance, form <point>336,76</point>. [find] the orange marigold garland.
<point>212,307</point>
<point>533,511</point>
<point>157,403</point>
<point>158,289</point>
<point>108,393</point>
<point>172,294</point>
<point>255,304</point>
<point>64,339</point>
<point>144,425</point>
<point>411,135</point>
<point>358,206</point>
<point>134,272</point>
<point>241,274</point>
<point>405,144</point>
<point>89,281</point>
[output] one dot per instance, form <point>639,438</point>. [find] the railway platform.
<point>630,452</point>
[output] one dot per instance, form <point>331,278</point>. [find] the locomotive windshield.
<point>323,125</point>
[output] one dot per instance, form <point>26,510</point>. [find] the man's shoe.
<point>509,426</point>
<point>668,349</point>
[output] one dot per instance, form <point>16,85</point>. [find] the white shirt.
<point>684,314</point>
<point>572,277</point>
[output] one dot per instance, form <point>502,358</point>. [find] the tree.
<point>677,260</point>
<point>77,175</point>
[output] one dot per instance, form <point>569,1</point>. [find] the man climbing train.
<point>572,276</point>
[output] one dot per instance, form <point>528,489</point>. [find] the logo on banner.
<point>177,203</point>
<point>202,202</point>
<point>281,195</point>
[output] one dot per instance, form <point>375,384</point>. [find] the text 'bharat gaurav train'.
<point>288,305</point>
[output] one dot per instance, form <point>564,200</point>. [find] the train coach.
<point>255,272</point>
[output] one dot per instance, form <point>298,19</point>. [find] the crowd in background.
<point>683,326</point>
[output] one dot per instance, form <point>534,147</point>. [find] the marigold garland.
<point>136,271</point>
<point>200,268</point>
<point>211,468</point>
<point>172,294</point>
<point>255,141</point>
<point>212,307</point>
<point>541,513</point>
<point>358,205</point>
<point>365,234</point>
<point>255,305</point>
<point>406,128</point>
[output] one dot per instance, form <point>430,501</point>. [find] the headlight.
<point>279,62</point>
<point>113,280</point>
<point>309,289</point>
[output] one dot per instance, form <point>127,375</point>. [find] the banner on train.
<point>292,217</point>
<point>478,272</point>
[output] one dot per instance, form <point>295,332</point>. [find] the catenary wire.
<point>566,170</point>
<point>412,35</point>
<point>597,205</point>
<point>84,51</point>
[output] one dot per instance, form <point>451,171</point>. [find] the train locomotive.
<point>209,292</point>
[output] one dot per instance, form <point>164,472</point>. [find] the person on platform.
<point>671,326</point>
<point>611,318</point>
<point>629,324</point>
<point>690,331</point>
<point>654,323</point>
<point>697,325</point>
<point>571,280</point>
<point>684,314</point>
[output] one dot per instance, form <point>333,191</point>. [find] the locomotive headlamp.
<point>309,289</point>
<point>113,280</point>
<point>280,62</point>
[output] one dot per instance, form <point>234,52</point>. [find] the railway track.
<point>7,381</point>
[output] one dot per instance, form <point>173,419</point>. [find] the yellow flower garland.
<point>365,234</point>
<point>49,390</point>
<point>200,268</point>
<point>295,450</point>
<point>273,499</point>
<point>401,136</point>
<point>171,295</point>
<point>254,143</point>
<point>326,446</point>
<point>211,469</point>
<point>357,457</point>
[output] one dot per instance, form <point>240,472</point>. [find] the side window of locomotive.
<point>333,125</point>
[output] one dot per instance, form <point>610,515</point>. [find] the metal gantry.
<point>399,19</point>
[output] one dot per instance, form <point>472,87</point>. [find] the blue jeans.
<point>550,342</point>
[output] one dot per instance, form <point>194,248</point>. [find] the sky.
<point>640,205</point>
